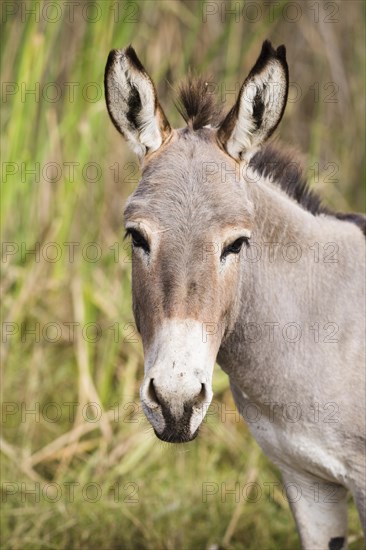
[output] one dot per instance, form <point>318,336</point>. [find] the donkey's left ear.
<point>132,102</point>
<point>259,106</point>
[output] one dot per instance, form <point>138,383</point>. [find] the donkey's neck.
<point>290,276</point>
<point>279,218</point>
<point>277,268</point>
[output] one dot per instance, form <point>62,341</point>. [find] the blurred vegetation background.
<point>76,475</point>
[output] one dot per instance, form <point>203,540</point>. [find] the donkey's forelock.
<point>197,103</point>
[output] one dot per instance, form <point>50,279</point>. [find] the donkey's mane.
<point>285,169</point>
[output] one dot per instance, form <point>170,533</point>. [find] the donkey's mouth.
<point>171,435</point>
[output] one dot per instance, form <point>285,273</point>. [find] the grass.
<point>108,482</point>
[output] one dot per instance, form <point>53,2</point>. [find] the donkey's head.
<point>188,219</point>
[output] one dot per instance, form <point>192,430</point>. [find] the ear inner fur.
<point>132,102</point>
<point>248,124</point>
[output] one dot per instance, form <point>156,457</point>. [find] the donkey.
<point>234,259</point>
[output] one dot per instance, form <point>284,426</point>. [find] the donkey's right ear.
<point>132,102</point>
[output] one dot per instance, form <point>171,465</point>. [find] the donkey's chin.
<point>171,429</point>
<point>175,428</point>
<point>169,435</point>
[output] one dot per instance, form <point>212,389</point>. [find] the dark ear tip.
<point>111,56</point>
<point>130,53</point>
<point>268,50</point>
<point>267,47</point>
<point>281,52</point>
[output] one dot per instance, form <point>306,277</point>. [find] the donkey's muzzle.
<point>175,410</point>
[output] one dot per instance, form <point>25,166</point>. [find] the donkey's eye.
<point>234,247</point>
<point>138,240</point>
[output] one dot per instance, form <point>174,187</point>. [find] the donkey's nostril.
<point>201,397</point>
<point>173,396</point>
<point>151,393</point>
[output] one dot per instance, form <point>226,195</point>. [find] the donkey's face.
<point>188,219</point>
<point>186,230</point>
